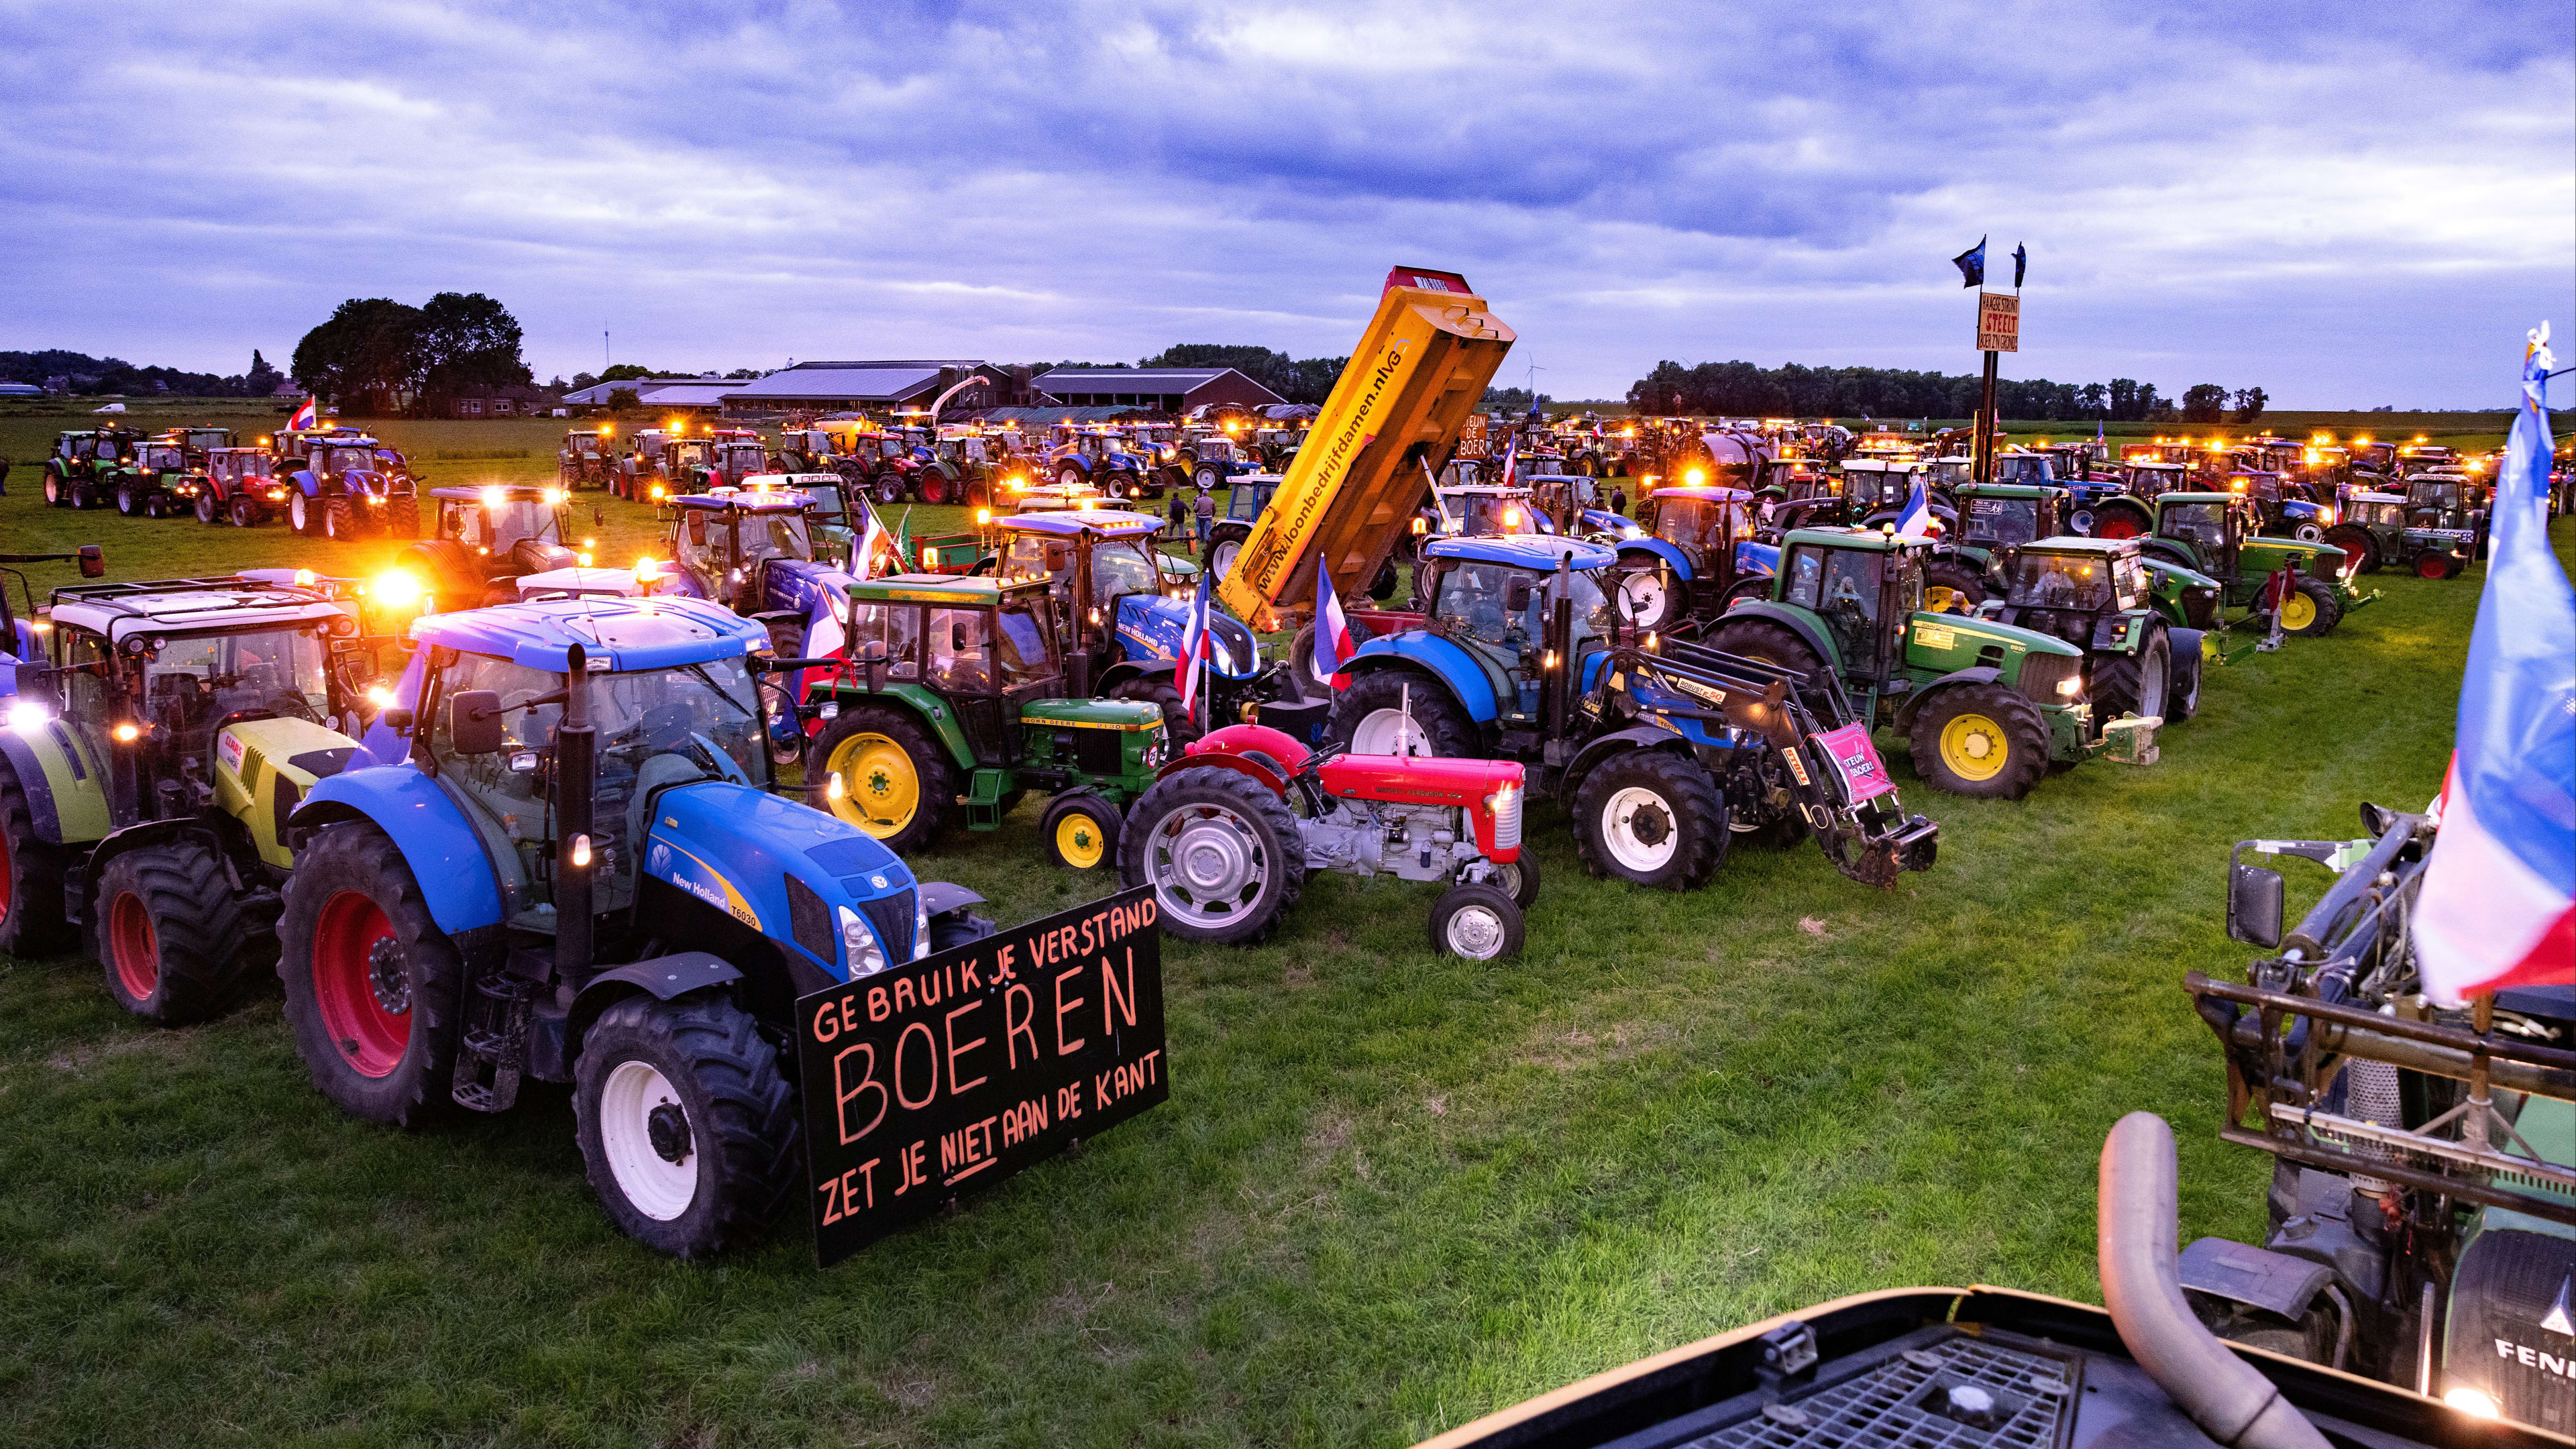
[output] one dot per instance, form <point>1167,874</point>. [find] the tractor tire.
<point>339,518</point>
<point>1965,591</point>
<point>1081,831</point>
<point>1771,643</point>
<point>2182,686</point>
<point>2360,550</point>
<point>170,933</point>
<point>687,1126</point>
<point>127,504</point>
<point>1980,739</point>
<point>373,987</point>
<point>1221,551</point>
<point>1753,586</point>
<point>1207,479</point>
<point>31,879</point>
<point>1477,923</point>
<point>897,782</point>
<point>303,514</point>
<point>2321,611</point>
<point>208,507</point>
<point>58,494</point>
<point>2139,683</point>
<point>1650,595</point>
<point>1121,484</point>
<point>1178,728</point>
<point>1651,817</point>
<point>402,518</point>
<point>85,496</point>
<point>245,512</point>
<point>1221,852</point>
<point>1519,880</point>
<point>1368,718</point>
<point>2120,519</point>
<point>1069,476</point>
<point>934,488</point>
<point>2307,532</point>
<point>887,488</point>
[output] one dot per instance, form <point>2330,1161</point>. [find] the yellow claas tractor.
<point>148,768</point>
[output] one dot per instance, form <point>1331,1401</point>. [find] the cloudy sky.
<point>2349,203</point>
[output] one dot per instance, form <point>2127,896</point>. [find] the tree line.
<point>377,355</point>
<point>1743,389</point>
<point>82,374</point>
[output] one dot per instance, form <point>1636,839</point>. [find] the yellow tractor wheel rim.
<point>2298,611</point>
<point>1973,747</point>
<point>1077,839</point>
<point>880,789</point>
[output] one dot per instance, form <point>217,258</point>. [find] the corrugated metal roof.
<point>889,384</point>
<point>596,395</point>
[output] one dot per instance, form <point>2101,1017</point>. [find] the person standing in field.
<point>1178,511</point>
<point>1205,508</point>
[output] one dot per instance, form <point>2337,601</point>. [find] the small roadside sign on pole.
<point>1998,322</point>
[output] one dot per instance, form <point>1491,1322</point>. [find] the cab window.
<point>1476,600</point>
<point>891,632</point>
<point>2199,523</point>
<point>961,651</point>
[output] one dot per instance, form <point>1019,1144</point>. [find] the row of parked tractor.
<point>328,482</point>
<point>500,814</point>
<point>914,458</point>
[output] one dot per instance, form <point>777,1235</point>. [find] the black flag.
<point>1972,264</point>
<point>2021,263</point>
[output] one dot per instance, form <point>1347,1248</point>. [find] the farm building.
<point>854,386</point>
<point>1175,390</point>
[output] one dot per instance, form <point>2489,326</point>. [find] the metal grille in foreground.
<point>1893,1406</point>
<point>1507,820</point>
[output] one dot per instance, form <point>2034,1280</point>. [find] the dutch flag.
<point>871,544</point>
<point>1333,647</point>
<point>825,636</point>
<point>1918,521</point>
<point>1196,645</point>
<point>307,416</point>
<point>2499,900</point>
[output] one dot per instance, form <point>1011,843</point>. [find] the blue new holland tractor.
<point>561,856</point>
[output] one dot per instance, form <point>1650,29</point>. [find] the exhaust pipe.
<point>2223,1394</point>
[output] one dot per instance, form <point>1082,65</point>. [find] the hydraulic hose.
<point>2223,1394</point>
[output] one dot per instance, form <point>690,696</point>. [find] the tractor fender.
<point>1974,674</point>
<point>305,482</point>
<point>664,978</point>
<point>150,832</point>
<point>1662,551</point>
<point>2179,639</point>
<point>457,879</point>
<point>1755,558</point>
<point>66,800</point>
<point>1428,653</point>
<point>1265,754</point>
<point>1635,737</point>
<point>1800,621</point>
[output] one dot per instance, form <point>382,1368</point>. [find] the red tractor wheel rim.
<point>371,1036</point>
<point>2432,566</point>
<point>2119,525</point>
<point>2354,556</point>
<point>131,948</point>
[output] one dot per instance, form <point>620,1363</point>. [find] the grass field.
<point>1389,1192</point>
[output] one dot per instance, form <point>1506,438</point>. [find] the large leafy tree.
<point>468,340</point>
<point>2202,402</point>
<point>367,354</point>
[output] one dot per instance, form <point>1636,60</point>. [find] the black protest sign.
<point>959,1069</point>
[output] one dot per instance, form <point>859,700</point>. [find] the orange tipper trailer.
<point>1412,382</point>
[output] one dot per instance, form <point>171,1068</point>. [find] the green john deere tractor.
<point>2219,535</point>
<point>1997,517</point>
<point>950,707</point>
<point>1987,707</point>
<point>2142,656</point>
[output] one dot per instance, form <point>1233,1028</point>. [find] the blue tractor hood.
<point>788,583</point>
<point>736,849</point>
<point>1150,625</point>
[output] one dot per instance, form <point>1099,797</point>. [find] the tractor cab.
<point>587,457</point>
<point>486,539</point>
<point>1478,510</point>
<point>2026,467</point>
<point>1488,598</point>
<point>1997,515</point>
<point>834,517</point>
<point>752,552</point>
<point>2442,496</point>
<point>1695,552</point>
<point>1877,490</point>
<point>1865,584</point>
<point>730,460</point>
<point>2060,585</point>
<point>240,486</point>
<point>1952,473</point>
<point>1122,604</point>
<point>2211,527</point>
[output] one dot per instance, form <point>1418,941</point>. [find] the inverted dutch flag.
<point>868,547</point>
<point>1333,647</point>
<point>1511,458</point>
<point>1917,520</point>
<point>1196,639</point>
<point>2496,908</point>
<point>306,416</point>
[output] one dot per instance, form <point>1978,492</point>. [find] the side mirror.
<point>474,722</point>
<point>397,719</point>
<point>1516,595</point>
<point>32,680</point>
<point>697,528</point>
<point>2253,905</point>
<point>93,561</point>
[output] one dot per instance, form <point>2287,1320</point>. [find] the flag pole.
<point>1985,430</point>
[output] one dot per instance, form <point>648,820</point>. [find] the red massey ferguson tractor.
<point>1228,833</point>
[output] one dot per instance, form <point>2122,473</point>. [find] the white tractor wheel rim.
<point>1221,558</point>
<point>1390,732</point>
<point>297,503</point>
<point>1619,829</point>
<point>1207,865</point>
<point>657,1188</point>
<point>1644,594</point>
<point>2151,686</point>
<point>1475,932</point>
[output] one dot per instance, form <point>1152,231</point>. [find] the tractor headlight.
<point>26,716</point>
<point>859,946</point>
<point>2071,686</point>
<point>920,926</point>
